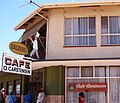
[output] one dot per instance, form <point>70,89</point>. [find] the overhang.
<point>99,62</point>
<point>43,8</point>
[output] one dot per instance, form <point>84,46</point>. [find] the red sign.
<point>99,86</point>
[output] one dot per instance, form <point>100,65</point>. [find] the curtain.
<point>72,72</point>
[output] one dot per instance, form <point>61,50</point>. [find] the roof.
<point>41,8</point>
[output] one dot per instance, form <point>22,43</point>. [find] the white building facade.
<point>85,39</point>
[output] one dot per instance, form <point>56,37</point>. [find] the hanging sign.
<point>18,48</point>
<point>16,65</point>
<point>97,86</point>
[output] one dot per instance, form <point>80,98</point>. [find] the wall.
<point>54,80</point>
<point>56,49</point>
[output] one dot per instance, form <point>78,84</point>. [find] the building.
<point>79,49</point>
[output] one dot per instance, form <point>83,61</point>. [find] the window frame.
<point>108,34</point>
<point>72,35</point>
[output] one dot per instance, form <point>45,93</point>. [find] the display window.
<point>100,84</point>
<point>9,87</point>
<point>17,87</point>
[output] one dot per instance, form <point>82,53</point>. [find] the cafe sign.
<point>97,86</point>
<point>15,65</point>
<point>18,48</point>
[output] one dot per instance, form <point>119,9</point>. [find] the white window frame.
<point>72,35</point>
<point>108,34</point>
<point>107,67</point>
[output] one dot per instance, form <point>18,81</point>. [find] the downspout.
<point>46,33</point>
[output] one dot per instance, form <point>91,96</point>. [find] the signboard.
<point>18,48</point>
<point>16,65</point>
<point>98,87</point>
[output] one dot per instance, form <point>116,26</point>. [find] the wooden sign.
<point>18,48</point>
<point>98,87</point>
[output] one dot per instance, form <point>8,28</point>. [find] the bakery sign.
<point>18,48</point>
<point>97,86</point>
<point>12,64</point>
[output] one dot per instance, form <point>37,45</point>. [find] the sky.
<point>12,13</point>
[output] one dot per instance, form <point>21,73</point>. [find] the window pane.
<point>114,22</point>
<point>68,26</point>
<point>104,25</point>
<point>86,72</point>
<point>75,26</point>
<point>114,90</point>
<point>115,39</point>
<point>105,39</point>
<point>114,71</point>
<point>76,40</point>
<point>83,25</point>
<point>100,72</point>
<point>68,41</point>
<point>72,72</point>
<point>92,25</point>
<point>92,40</point>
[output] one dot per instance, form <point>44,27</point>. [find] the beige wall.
<point>56,34</point>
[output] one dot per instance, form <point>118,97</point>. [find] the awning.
<point>104,62</point>
<point>32,31</point>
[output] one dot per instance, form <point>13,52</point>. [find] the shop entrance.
<point>34,87</point>
<point>35,83</point>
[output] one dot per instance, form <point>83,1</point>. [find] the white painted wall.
<point>56,34</point>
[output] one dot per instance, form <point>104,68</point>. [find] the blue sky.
<point>12,14</point>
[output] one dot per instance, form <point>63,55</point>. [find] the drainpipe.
<point>47,36</point>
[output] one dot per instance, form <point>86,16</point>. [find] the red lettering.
<point>27,65</point>
<point>8,61</point>
<point>21,62</point>
<point>15,63</point>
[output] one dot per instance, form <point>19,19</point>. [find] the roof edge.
<point>65,5</point>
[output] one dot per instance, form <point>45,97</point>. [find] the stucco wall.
<point>56,49</point>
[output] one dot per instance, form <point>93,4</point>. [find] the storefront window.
<point>10,87</point>
<point>114,71</point>
<point>100,72</point>
<point>72,72</point>
<point>91,96</point>
<point>3,85</point>
<point>75,86</point>
<point>17,87</point>
<point>86,71</point>
<point>114,90</point>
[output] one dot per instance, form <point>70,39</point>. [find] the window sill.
<point>78,46</point>
<point>110,45</point>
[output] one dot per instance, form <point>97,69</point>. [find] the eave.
<point>23,24</point>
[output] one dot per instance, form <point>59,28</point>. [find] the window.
<point>114,71</point>
<point>87,72</point>
<point>9,87</point>
<point>80,31</point>
<point>17,86</point>
<point>110,29</point>
<point>72,72</point>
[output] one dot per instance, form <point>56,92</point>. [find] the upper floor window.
<point>80,31</point>
<point>110,29</point>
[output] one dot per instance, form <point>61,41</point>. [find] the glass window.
<point>90,96</point>
<point>114,71</point>
<point>9,87</point>
<point>17,87</point>
<point>110,27</point>
<point>86,71</point>
<point>114,90</point>
<point>80,31</point>
<point>68,26</point>
<point>3,85</point>
<point>72,72</point>
<point>100,72</point>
